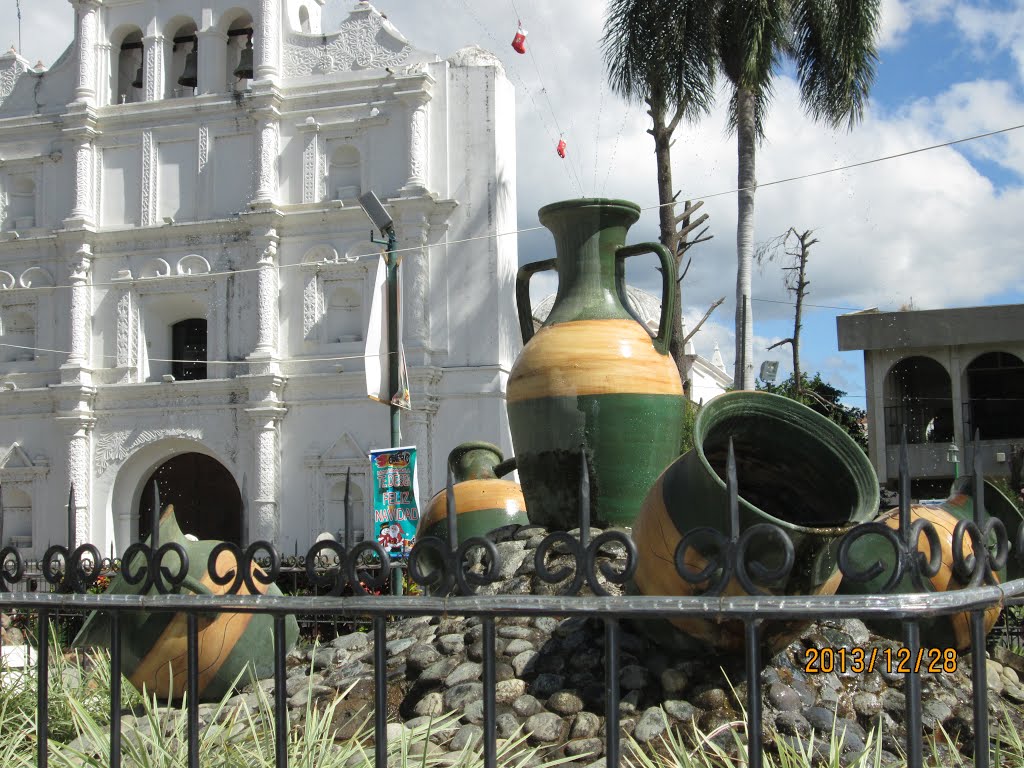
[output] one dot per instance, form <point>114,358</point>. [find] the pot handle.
<point>668,281</point>
<point>523,294</point>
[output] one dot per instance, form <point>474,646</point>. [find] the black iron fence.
<point>450,576</point>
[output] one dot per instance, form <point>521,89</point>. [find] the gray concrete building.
<point>942,374</point>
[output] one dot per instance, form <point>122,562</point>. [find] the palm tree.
<point>663,54</point>
<point>832,43</point>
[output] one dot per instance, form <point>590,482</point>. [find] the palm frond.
<point>662,48</point>
<point>835,52</point>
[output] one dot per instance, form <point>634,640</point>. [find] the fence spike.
<point>72,512</point>
<point>453,523</point>
<point>154,522</point>
<point>584,498</point>
<point>979,480</point>
<point>245,514</point>
<point>904,483</point>
<point>732,489</point>
<point>348,509</point>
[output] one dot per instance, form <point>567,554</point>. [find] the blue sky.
<point>939,228</point>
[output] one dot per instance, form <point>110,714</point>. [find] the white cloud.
<point>986,27</point>
<point>899,16</point>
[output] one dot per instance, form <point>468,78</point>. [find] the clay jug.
<point>154,643</point>
<point>593,375</point>
<point>795,469</point>
<point>482,501</point>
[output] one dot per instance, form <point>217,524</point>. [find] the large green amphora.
<point>592,375</point>
<point>795,469</point>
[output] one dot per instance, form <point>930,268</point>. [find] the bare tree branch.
<point>701,322</point>
<point>780,343</point>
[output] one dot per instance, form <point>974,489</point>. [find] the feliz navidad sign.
<point>395,509</point>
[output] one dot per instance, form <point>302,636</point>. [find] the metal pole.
<point>392,285</point>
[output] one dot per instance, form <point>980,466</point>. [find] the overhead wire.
<point>523,230</point>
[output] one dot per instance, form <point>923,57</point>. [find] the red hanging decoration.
<point>519,41</point>
<point>560,149</point>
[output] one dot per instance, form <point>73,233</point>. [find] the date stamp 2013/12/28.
<point>890,660</point>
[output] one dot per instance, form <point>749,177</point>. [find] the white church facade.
<point>186,275</point>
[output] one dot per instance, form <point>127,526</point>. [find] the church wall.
<point>126,194</point>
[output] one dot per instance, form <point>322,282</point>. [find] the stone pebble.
<point>550,683</point>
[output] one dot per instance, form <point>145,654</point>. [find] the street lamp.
<point>373,208</point>
<point>953,457</point>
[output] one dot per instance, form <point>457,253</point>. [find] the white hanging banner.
<point>378,386</point>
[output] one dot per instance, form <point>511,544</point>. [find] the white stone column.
<point>418,140</point>
<point>212,61</point>
<point>85,167</point>
<point>88,31</point>
<point>268,40</point>
<point>418,424</point>
<point>80,308</point>
<point>266,161</point>
<point>267,291</point>
<point>106,76</point>
<point>264,521</point>
<point>413,228</point>
<point>78,431</point>
<point>153,67</point>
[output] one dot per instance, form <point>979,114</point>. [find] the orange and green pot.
<point>154,652</point>
<point>483,502</point>
<point>795,470</point>
<point>593,376</point>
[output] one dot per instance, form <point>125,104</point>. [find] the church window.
<point>188,349</point>
<point>344,315</point>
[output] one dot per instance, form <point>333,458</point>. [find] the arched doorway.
<point>918,397</point>
<point>207,502</point>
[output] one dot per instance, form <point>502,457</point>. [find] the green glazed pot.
<point>592,376</point>
<point>482,501</point>
<point>153,645</point>
<point>795,469</point>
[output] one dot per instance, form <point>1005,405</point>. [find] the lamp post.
<point>373,208</point>
<point>382,221</point>
<point>953,457</point>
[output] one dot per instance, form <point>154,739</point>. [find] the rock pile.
<point>550,675</point>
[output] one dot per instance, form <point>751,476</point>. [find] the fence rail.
<point>980,547</point>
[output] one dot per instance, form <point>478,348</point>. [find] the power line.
<point>818,306</point>
<point>376,254</point>
<point>852,165</point>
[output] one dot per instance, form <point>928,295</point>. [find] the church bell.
<point>189,76</point>
<point>244,70</point>
<point>138,82</point>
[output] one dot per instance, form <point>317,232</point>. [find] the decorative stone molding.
<point>153,70</point>
<point>7,280</point>
<point>85,167</point>
<point>311,178</point>
<point>78,429</point>
<point>148,181</point>
<point>36,277</point>
<point>345,458</point>
<point>365,40</point>
<point>12,67</point>
<point>193,264</point>
<point>17,468</point>
<point>204,147</point>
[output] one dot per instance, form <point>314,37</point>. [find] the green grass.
<point>240,735</point>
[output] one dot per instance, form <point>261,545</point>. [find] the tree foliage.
<point>820,396</point>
